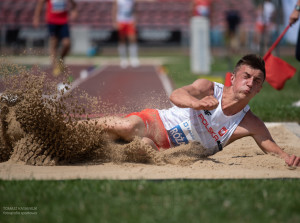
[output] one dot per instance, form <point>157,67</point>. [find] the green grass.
<point>154,201</point>
<point>269,104</point>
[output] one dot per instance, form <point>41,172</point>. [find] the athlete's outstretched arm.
<point>251,125</point>
<point>198,95</point>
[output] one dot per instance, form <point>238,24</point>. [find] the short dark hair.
<point>252,60</point>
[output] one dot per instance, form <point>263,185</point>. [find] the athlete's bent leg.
<point>53,45</point>
<point>122,128</point>
<point>66,45</point>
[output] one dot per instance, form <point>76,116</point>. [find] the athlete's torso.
<point>57,12</point>
<point>211,128</point>
<point>125,11</point>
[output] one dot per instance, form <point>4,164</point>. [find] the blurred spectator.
<point>233,19</point>
<point>57,20</point>
<point>264,25</point>
<point>12,34</point>
<point>294,18</point>
<point>124,22</point>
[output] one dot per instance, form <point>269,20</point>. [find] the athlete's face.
<point>247,82</point>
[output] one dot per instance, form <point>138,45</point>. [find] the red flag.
<point>228,79</point>
<point>277,70</point>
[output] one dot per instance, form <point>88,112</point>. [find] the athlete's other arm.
<point>74,11</point>
<point>114,14</point>
<point>252,126</point>
<point>199,95</point>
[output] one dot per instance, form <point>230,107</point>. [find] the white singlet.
<point>212,129</point>
<point>125,11</point>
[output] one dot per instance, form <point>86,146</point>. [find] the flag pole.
<point>276,42</point>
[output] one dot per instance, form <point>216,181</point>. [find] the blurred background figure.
<point>57,20</point>
<point>124,22</point>
<point>233,20</point>
<point>201,8</point>
<point>264,25</point>
<point>294,18</point>
<point>200,46</point>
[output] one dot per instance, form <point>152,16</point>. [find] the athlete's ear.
<point>232,77</point>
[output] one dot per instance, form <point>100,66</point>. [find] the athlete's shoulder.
<point>204,86</point>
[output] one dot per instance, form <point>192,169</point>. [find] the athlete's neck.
<point>231,104</point>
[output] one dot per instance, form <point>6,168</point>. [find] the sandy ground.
<point>240,160</point>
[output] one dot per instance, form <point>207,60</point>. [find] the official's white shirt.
<point>212,129</point>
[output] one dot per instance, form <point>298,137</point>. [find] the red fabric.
<point>126,29</point>
<point>56,15</point>
<point>278,71</point>
<point>228,79</point>
<point>154,127</point>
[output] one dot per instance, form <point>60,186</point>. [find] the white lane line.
<point>80,80</point>
<point>167,85</point>
<point>90,75</point>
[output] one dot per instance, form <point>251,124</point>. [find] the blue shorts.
<point>59,31</point>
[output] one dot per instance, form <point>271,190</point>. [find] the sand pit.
<point>43,136</point>
<point>240,160</point>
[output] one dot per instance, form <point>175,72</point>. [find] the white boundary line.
<point>93,73</point>
<point>80,80</point>
<point>296,104</point>
<point>165,81</point>
<point>294,127</point>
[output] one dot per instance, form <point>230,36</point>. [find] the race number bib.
<point>59,5</point>
<point>183,134</point>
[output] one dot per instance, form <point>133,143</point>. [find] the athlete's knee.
<point>122,128</point>
<point>129,129</point>
<point>150,142</point>
<point>66,42</point>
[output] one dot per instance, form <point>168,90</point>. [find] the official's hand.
<point>206,103</point>
<point>294,17</point>
<point>292,160</point>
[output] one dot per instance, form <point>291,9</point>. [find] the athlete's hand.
<point>36,22</point>
<point>73,14</point>
<point>292,160</point>
<point>206,103</point>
